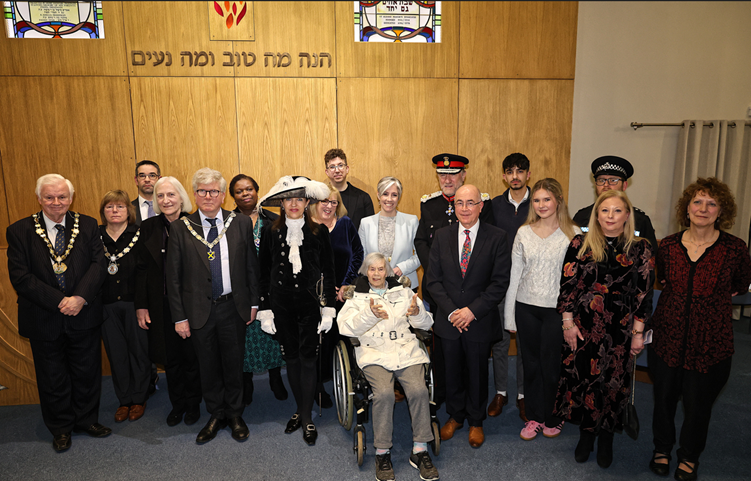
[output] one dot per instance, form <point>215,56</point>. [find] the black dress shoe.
<point>660,469</point>
<point>605,449</point>
<point>309,434</point>
<point>277,385</point>
<point>61,442</point>
<point>175,417</point>
<point>293,424</point>
<point>192,415</point>
<point>239,429</point>
<point>96,430</point>
<point>210,430</point>
<point>586,445</point>
<point>682,475</point>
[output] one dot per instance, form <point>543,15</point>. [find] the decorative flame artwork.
<point>228,10</point>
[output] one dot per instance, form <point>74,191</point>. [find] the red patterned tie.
<point>466,251</point>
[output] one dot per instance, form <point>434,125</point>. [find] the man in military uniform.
<point>612,173</point>
<point>436,211</point>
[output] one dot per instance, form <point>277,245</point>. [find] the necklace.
<point>203,241</point>
<point>58,266</point>
<point>698,245</point>
<point>112,267</point>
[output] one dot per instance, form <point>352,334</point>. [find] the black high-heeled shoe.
<point>605,449</point>
<point>293,424</point>
<point>309,434</point>
<point>660,469</point>
<point>586,445</point>
<point>682,475</point>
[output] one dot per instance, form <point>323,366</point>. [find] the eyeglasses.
<point>203,193</point>
<point>332,203</point>
<point>151,176</point>
<point>469,204</point>
<point>608,181</point>
<point>337,167</point>
<point>114,207</point>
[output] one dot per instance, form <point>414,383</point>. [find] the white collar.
<point>50,224</point>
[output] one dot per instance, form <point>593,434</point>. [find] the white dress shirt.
<point>144,207</point>
<point>226,282</point>
<point>472,237</point>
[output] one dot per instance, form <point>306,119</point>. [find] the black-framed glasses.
<point>332,203</point>
<point>469,204</point>
<point>151,176</point>
<point>337,167</point>
<point>203,193</point>
<point>608,181</point>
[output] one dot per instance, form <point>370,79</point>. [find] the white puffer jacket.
<point>384,342</point>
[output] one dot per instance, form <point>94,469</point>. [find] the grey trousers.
<point>412,379</point>
<point>500,361</point>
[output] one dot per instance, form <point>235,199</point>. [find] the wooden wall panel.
<point>500,117</point>
<point>394,127</point>
<point>4,213</point>
<point>68,57</point>
<point>365,59</point>
<point>16,362</point>
<point>293,28</point>
<point>285,127</point>
<point>172,27</point>
<point>518,39</point>
<point>78,127</point>
<point>185,124</point>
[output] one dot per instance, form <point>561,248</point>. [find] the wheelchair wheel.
<point>435,444</point>
<point>360,444</point>
<point>343,394</point>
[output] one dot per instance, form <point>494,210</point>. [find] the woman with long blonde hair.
<point>605,299</point>
<point>536,259</point>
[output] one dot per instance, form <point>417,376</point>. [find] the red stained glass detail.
<point>230,20</point>
<point>242,13</point>
<point>234,8</point>
<point>218,9</point>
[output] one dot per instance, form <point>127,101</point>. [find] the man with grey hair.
<point>56,265</point>
<point>212,287</point>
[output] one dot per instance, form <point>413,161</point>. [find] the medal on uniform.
<point>450,210</point>
<point>112,267</point>
<point>59,267</point>
<point>210,253</point>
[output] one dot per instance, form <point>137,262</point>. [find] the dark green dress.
<point>261,351</point>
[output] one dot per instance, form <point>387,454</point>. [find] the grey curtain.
<point>721,151</point>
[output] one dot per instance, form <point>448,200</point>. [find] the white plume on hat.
<point>295,186</point>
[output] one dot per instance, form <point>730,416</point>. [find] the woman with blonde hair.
<point>536,259</point>
<point>605,299</point>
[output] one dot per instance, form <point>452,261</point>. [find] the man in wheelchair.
<point>380,314</point>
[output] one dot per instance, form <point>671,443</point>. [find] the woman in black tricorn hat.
<point>297,288</point>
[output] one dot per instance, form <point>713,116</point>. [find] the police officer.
<point>612,173</point>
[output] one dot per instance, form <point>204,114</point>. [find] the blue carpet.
<point>150,450</point>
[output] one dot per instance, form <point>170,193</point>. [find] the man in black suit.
<point>212,286</point>
<point>468,276</point>
<point>57,266</point>
<point>358,203</point>
<point>147,173</point>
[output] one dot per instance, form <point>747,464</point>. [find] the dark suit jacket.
<point>32,277</point>
<point>482,288</point>
<point>138,211</point>
<point>189,276</point>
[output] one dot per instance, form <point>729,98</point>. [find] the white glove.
<point>266,318</point>
<point>327,319</point>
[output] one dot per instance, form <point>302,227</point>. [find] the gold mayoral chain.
<point>58,266</point>
<point>211,244</point>
<point>112,267</point>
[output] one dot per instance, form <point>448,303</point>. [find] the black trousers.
<point>220,345</point>
<point>699,391</point>
<point>69,378</point>
<point>466,365</point>
<point>181,366</point>
<point>541,338</point>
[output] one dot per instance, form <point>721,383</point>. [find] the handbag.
<point>630,419</point>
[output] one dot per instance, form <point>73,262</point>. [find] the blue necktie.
<point>60,250</point>
<point>150,209</point>
<point>215,263</point>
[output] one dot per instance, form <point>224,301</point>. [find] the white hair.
<point>208,176</point>
<point>370,259</point>
<point>50,179</point>
<point>186,206</point>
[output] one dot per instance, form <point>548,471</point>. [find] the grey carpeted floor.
<point>149,449</point>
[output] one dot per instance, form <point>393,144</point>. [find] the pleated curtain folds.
<point>718,151</point>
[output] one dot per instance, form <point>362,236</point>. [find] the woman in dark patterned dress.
<point>701,268</point>
<point>605,299</point>
<point>262,352</point>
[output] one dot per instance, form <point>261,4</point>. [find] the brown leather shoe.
<point>136,411</point>
<point>496,405</point>
<point>476,436</point>
<point>121,414</point>
<point>522,409</point>
<point>447,431</point>
<point>398,396</point>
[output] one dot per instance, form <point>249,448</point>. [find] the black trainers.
<point>384,469</point>
<point>422,461</point>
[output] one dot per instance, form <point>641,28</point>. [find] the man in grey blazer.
<point>212,287</point>
<point>468,275</point>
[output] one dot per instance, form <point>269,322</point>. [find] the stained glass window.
<point>398,22</point>
<point>54,19</point>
